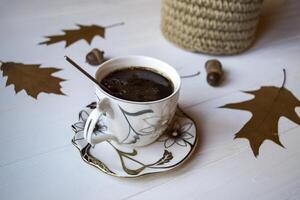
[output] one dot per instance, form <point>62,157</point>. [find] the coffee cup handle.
<point>91,122</point>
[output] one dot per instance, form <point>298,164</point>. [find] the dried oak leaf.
<point>86,33</point>
<point>31,78</point>
<point>267,106</point>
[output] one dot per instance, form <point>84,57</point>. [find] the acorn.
<point>214,72</point>
<point>95,57</point>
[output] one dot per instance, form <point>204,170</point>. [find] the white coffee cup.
<point>131,122</point>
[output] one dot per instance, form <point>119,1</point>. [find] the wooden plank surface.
<point>37,159</point>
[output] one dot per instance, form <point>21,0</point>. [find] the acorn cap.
<point>95,57</point>
<point>213,66</point>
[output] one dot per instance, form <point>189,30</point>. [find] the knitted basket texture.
<point>220,27</point>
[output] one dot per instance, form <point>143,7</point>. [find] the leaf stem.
<point>284,78</point>
<point>116,24</point>
<point>190,76</point>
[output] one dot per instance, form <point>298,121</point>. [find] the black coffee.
<point>137,84</point>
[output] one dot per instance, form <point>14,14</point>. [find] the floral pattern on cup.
<point>159,123</point>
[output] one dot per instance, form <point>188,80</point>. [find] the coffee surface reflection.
<point>138,84</point>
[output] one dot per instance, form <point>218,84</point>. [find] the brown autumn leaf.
<point>31,78</point>
<point>86,33</point>
<point>268,105</point>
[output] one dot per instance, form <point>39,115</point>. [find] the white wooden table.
<point>37,159</point>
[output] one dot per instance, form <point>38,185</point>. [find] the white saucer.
<point>168,152</point>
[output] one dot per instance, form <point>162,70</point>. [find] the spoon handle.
<point>83,71</point>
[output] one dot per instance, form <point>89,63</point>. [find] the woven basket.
<point>211,26</point>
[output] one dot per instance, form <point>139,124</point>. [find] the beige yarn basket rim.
<point>183,25</point>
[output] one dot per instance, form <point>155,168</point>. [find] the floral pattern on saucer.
<point>168,152</point>
<point>178,134</point>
